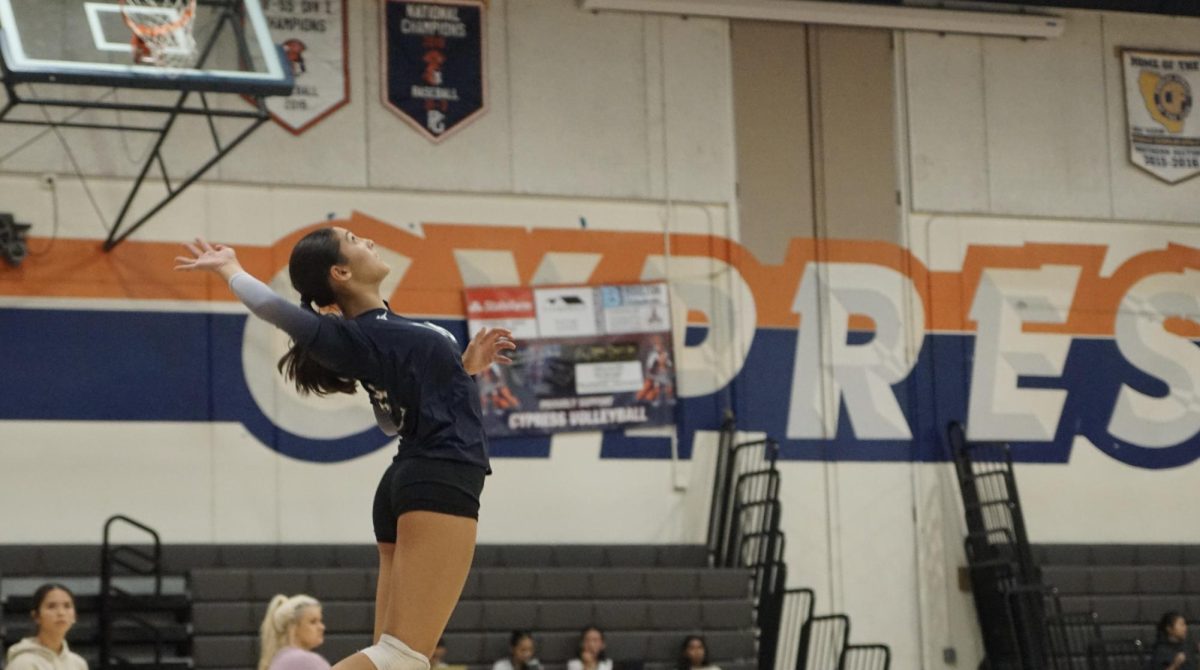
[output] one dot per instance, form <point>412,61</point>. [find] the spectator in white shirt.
<point>693,654</point>
<point>520,653</point>
<point>590,653</point>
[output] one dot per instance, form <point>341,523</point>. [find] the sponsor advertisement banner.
<point>590,358</point>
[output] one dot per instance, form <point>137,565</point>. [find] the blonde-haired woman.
<point>290,631</point>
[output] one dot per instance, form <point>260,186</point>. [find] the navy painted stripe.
<point>74,365</point>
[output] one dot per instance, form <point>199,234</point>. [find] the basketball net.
<point>162,31</point>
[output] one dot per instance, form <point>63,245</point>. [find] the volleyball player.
<point>421,388</point>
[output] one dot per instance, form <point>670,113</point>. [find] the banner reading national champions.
<point>433,63</point>
<point>588,358</point>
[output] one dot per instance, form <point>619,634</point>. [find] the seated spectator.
<point>438,660</point>
<point>53,615</point>
<point>291,629</point>
<point>1170,650</point>
<point>589,655</point>
<point>693,654</point>
<point>520,653</point>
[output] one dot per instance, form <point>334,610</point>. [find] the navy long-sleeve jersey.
<point>412,371</point>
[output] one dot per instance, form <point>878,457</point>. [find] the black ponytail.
<point>311,259</point>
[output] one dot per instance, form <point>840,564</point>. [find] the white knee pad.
<point>392,654</point>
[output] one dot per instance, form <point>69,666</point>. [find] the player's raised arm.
<point>257,296</point>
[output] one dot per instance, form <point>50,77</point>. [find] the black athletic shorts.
<point>427,484</point>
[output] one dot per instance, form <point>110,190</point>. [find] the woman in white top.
<point>53,613</point>
<point>590,654</point>
<point>291,629</point>
<point>520,653</point>
<point>693,654</point>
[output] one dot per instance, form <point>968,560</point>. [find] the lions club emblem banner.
<point>588,358</point>
<point>433,63</point>
<point>1164,136</point>
<point>312,34</point>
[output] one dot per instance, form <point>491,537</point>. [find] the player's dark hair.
<point>312,257</point>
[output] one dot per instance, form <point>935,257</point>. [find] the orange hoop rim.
<point>144,31</point>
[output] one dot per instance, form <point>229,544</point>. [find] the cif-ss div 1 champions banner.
<point>312,34</point>
<point>588,358</point>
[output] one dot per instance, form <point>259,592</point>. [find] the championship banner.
<point>313,36</point>
<point>588,358</point>
<point>1159,92</point>
<point>433,63</point>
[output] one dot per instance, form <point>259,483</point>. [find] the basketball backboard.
<point>88,42</point>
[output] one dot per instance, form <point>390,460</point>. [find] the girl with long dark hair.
<point>420,386</point>
<point>1170,644</point>
<point>522,654</point>
<point>590,653</point>
<point>693,654</point>
<point>53,616</point>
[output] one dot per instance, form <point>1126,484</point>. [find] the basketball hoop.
<point>162,31</point>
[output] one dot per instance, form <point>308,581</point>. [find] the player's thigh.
<point>383,586</point>
<point>432,558</point>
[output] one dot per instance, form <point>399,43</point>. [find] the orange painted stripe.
<point>432,283</point>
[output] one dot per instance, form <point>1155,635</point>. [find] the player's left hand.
<point>487,347</point>
<point>216,258</point>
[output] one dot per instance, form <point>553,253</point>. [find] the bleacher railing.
<point>828,637</point>
<point>1117,655</point>
<point>1021,618</point>
<point>795,613</point>
<point>720,491</point>
<point>118,604</point>
<point>865,657</point>
<point>746,474</point>
<point>744,531</point>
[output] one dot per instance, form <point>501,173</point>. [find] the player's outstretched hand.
<point>214,258</point>
<point>487,347</point>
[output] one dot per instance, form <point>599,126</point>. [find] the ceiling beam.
<point>997,23</point>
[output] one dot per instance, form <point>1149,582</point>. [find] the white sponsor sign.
<point>510,308</point>
<point>636,308</point>
<point>566,312</point>
<point>617,377</point>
